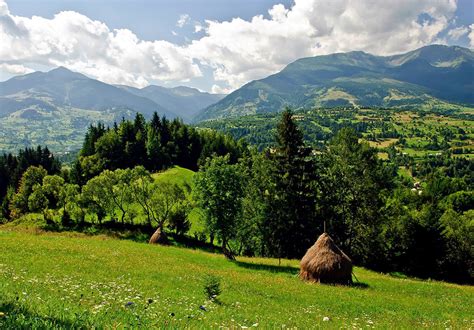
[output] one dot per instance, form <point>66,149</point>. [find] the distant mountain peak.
<point>65,73</point>
<point>426,77</point>
<point>60,69</point>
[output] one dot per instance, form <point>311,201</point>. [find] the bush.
<point>179,221</point>
<point>212,287</point>
<point>200,236</point>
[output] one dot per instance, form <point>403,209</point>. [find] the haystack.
<point>325,262</point>
<point>158,237</point>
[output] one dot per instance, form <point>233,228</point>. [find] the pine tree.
<point>290,223</point>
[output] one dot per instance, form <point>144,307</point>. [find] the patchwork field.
<point>71,280</point>
<point>415,133</point>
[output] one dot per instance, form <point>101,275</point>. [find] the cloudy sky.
<point>214,45</point>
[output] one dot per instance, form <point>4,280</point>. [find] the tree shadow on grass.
<point>359,285</point>
<point>193,243</point>
<point>18,317</point>
<point>290,270</point>
<point>135,232</point>
<point>268,268</point>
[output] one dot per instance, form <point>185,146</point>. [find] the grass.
<point>71,280</point>
<point>178,175</point>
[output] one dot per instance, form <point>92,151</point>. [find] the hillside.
<point>55,108</point>
<point>39,92</point>
<point>415,133</point>
<point>430,77</point>
<point>72,280</point>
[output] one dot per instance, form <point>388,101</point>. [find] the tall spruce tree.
<point>290,225</point>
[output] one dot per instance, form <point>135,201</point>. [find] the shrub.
<point>212,287</point>
<point>179,221</point>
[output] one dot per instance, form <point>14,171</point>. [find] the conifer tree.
<point>290,225</point>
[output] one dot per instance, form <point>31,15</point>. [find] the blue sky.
<point>214,45</point>
<point>148,19</point>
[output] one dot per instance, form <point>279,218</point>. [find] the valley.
<point>414,134</point>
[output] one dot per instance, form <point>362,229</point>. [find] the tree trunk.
<point>227,252</point>
<point>123,217</point>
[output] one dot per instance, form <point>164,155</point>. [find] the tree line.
<point>272,203</point>
<point>156,145</point>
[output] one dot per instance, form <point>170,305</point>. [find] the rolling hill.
<point>429,77</point>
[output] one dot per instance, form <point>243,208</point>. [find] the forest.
<point>270,201</point>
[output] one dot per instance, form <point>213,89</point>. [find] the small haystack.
<point>324,262</point>
<point>158,237</point>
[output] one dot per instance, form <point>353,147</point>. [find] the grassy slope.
<point>176,174</point>
<point>53,279</point>
<point>183,177</point>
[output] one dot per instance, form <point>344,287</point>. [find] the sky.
<point>214,45</point>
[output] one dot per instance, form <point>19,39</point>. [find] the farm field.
<point>72,280</point>
<point>413,133</point>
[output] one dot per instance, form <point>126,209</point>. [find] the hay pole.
<point>355,277</point>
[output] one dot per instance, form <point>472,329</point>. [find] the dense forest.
<point>270,201</point>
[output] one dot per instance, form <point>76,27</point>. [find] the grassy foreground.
<point>71,280</point>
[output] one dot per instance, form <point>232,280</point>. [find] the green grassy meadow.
<point>52,280</point>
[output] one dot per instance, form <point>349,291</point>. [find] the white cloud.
<point>458,32</point>
<point>216,89</point>
<point>79,43</point>
<point>471,35</point>
<point>182,20</point>
<point>197,27</point>
<point>14,69</point>
<point>237,51</point>
<point>241,50</point>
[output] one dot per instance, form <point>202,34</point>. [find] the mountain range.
<point>61,88</point>
<point>55,108</point>
<point>184,102</point>
<point>432,76</point>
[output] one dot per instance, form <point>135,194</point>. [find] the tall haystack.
<point>325,262</point>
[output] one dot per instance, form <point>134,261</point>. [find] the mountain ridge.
<point>63,87</point>
<point>55,108</point>
<point>429,76</point>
